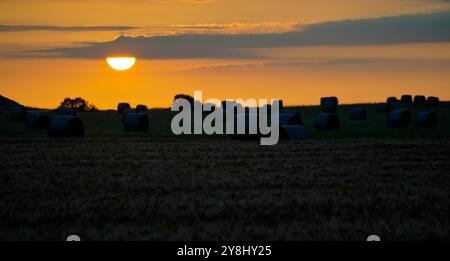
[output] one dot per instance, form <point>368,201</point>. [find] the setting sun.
<point>121,63</point>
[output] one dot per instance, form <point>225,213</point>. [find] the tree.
<point>78,104</point>
<point>184,96</point>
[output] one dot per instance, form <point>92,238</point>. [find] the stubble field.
<point>111,186</point>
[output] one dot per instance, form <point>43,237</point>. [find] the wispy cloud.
<point>242,28</point>
<point>421,28</point>
<point>16,28</point>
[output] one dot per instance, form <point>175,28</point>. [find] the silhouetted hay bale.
<point>18,113</point>
<point>212,106</point>
<point>333,100</point>
<point>433,102</point>
<point>135,122</point>
<point>122,106</point>
<point>326,121</point>
<point>66,126</point>
<point>426,119</point>
<point>125,112</point>
<point>289,118</point>
<point>392,100</point>
<point>358,114</point>
<point>66,111</point>
<point>231,107</point>
<point>406,99</point>
<point>420,100</point>
<point>141,108</point>
<point>329,107</point>
<point>280,103</point>
<point>37,120</point>
<point>399,118</point>
<point>294,132</point>
<point>384,107</point>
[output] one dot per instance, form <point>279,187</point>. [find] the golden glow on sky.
<point>298,75</point>
<point>121,63</point>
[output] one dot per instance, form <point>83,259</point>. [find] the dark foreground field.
<point>129,188</point>
<point>341,185</point>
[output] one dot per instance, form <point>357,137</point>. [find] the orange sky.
<point>298,75</point>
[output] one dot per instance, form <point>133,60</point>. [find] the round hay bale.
<point>426,119</point>
<point>122,106</point>
<point>18,113</point>
<point>326,121</point>
<point>358,114</point>
<point>329,107</point>
<point>37,120</point>
<point>280,102</point>
<point>399,118</point>
<point>384,107</point>
<point>289,118</point>
<point>66,111</point>
<point>125,112</point>
<point>392,100</point>
<point>66,126</point>
<point>267,107</point>
<point>433,102</point>
<point>294,132</point>
<point>136,122</point>
<point>420,100</point>
<point>406,99</point>
<point>141,108</point>
<point>333,100</point>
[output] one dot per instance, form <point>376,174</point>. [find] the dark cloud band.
<point>382,31</point>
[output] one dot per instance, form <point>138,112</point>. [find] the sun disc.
<point>121,63</point>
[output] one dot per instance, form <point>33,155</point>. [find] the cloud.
<point>421,28</point>
<point>181,1</point>
<point>242,28</point>
<point>16,28</point>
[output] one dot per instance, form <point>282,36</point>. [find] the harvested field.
<point>134,188</point>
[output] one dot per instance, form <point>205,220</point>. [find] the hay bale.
<point>289,118</point>
<point>66,126</point>
<point>420,100</point>
<point>18,113</point>
<point>136,122</point>
<point>329,107</point>
<point>333,100</point>
<point>406,99</point>
<point>37,120</point>
<point>280,102</point>
<point>392,100</point>
<point>399,118</point>
<point>141,108</point>
<point>122,106</point>
<point>294,132</point>
<point>384,107</point>
<point>358,114</point>
<point>433,102</point>
<point>66,111</point>
<point>426,119</point>
<point>125,112</point>
<point>326,121</point>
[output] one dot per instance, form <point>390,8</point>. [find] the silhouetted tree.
<point>78,104</point>
<point>184,96</point>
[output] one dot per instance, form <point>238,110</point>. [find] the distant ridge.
<point>6,104</point>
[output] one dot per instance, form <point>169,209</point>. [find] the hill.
<point>6,104</point>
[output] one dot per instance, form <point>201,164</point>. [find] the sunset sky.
<point>296,50</point>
